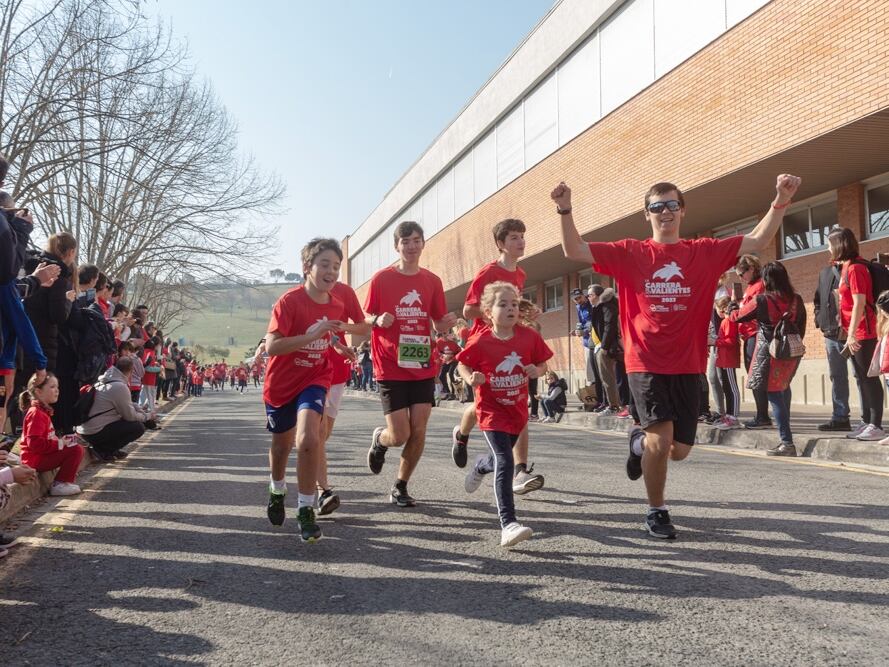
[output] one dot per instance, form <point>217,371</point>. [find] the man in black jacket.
<point>827,320</point>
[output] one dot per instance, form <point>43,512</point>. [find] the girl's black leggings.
<point>501,463</point>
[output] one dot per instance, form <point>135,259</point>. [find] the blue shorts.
<point>281,420</point>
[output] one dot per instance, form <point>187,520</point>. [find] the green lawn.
<point>241,313</point>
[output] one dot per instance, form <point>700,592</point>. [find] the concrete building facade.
<point>717,96</point>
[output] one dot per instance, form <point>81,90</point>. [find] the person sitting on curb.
<point>555,401</point>
<point>42,449</point>
<point>113,421</point>
<point>10,475</point>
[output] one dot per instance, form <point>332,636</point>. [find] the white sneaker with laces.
<point>853,435</point>
<point>514,533</point>
<point>871,432</point>
<point>884,441</point>
<point>64,489</point>
<point>474,477</point>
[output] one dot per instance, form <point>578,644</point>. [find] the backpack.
<point>879,279</point>
<point>786,342</point>
<point>84,404</point>
<point>95,345</point>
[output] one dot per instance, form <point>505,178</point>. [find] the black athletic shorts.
<point>663,398</point>
<point>400,394</point>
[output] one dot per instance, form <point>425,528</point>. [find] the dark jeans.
<point>550,409</point>
<point>839,379</point>
<point>115,436</point>
<point>501,463</point>
<point>367,372</point>
<point>780,401</point>
<point>871,388</point>
<point>760,396</point>
<point>532,393</point>
<point>623,385</point>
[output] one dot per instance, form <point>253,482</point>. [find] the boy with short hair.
<point>404,303</point>
<point>298,378</point>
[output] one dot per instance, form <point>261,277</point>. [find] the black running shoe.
<point>308,529</point>
<point>756,424</point>
<point>376,455</point>
<point>634,461</point>
<point>120,454</point>
<point>458,448</point>
<point>276,508</point>
<point>658,524</point>
<point>401,497</point>
<point>7,541</point>
<point>328,502</point>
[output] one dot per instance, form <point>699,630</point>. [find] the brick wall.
<point>794,71</point>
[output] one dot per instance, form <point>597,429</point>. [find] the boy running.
<point>498,362</point>
<point>298,378</point>
<point>666,287</point>
<point>509,236</point>
<point>402,302</point>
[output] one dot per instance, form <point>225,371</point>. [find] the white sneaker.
<point>64,489</point>
<point>884,441</point>
<point>871,432</point>
<point>514,533</point>
<point>547,420</point>
<point>853,435</point>
<point>731,422</point>
<point>474,477</point>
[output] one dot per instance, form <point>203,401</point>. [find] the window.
<point>806,228</point>
<point>627,42</point>
<point>484,157</point>
<point>552,299</point>
<point>511,146</point>
<point>878,210</point>
<point>530,294</point>
<point>541,114</point>
<point>579,91</point>
<point>682,28</point>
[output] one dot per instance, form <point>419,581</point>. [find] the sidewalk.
<point>21,496</point>
<point>809,441</point>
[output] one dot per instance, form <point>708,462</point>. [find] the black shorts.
<point>668,398</point>
<point>400,394</point>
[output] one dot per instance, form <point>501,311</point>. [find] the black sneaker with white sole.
<point>376,455</point>
<point>328,501</point>
<point>634,461</point>
<point>401,497</point>
<point>459,449</point>
<point>658,524</point>
<point>275,509</point>
<point>309,531</point>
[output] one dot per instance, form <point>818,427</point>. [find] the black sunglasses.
<point>658,206</point>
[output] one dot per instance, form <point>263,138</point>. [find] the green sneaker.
<point>309,530</point>
<point>276,508</point>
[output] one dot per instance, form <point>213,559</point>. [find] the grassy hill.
<point>238,313</point>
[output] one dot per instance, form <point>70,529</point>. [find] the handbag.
<point>874,369</point>
<point>786,342</point>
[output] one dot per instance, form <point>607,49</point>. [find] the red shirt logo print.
<point>662,287</point>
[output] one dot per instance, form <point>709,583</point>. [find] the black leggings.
<point>729,381</point>
<point>500,462</point>
<point>871,388</point>
<point>760,396</point>
<point>532,392</point>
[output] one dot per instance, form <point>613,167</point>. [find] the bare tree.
<point>114,138</point>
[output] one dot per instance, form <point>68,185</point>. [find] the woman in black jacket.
<point>48,308</point>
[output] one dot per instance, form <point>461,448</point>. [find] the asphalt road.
<point>169,559</point>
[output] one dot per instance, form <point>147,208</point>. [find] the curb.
<point>21,496</point>
<point>840,450</point>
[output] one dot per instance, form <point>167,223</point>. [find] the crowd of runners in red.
<point>665,285</point>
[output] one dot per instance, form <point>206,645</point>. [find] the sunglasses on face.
<point>658,206</point>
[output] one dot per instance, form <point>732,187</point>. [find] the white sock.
<point>639,445</point>
<point>277,485</point>
<point>306,500</point>
<point>663,508</point>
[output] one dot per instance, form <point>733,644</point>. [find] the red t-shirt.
<point>342,367</point>
<point>491,273</point>
<point>855,279</point>
<point>666,297</point>
<point>728,348</point>
<point>501,403</point>
<point>242,374</point>
<point>296,314</point>
<point>748,329</point>
<point>148,359</point>
<point>403,351</point>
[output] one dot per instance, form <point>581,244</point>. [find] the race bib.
<point>414,351</point>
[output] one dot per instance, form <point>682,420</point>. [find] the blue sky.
<point>340,97</point>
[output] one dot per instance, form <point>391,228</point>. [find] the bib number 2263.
<point>414,351</point>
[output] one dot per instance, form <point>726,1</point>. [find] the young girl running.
<point>41,449</point>
<point>498,362</point>
<point>298,379</point>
